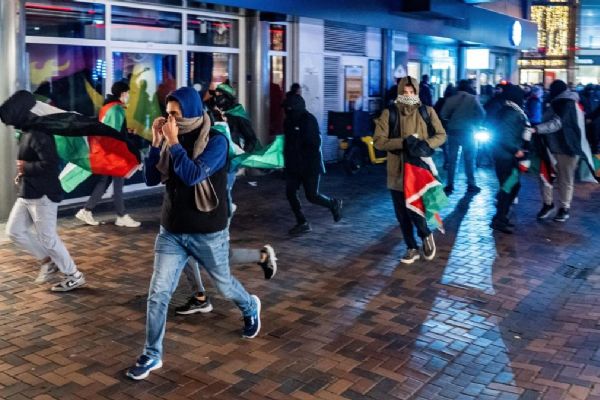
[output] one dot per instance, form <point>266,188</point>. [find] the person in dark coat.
<point>304,162</point>
<point>509,125</point>
<point>240,127</point>
<point>448,92</point>
<point>425,91</point>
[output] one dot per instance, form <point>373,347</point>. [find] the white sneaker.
<point>233,207</point>
<point>47,272</point>
<point>87,217</point>
<point>127,222</point>
<point>69,283</point>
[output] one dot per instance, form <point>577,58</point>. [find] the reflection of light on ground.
<point>459,343</point>
<point>474,249</point>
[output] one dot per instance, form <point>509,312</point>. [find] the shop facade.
<point>73,51</point>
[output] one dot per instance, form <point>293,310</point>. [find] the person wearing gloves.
<point>392,137</point>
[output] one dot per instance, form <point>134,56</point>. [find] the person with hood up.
<point>113,115</point>
<point>463,114</point>
<point>191,159</point>
<point>534,104</point>
<point>510,126</point>
<point>393,139</point>
<point>304,162</point>
<point>240,127</point>
<point>562,126</point>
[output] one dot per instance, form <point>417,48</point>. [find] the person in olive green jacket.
<point>409,123</point>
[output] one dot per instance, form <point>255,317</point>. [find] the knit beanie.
<point>557,87</point>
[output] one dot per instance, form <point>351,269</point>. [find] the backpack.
<point>393,123</point>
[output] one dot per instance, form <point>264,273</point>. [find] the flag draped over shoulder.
<point>89,146</point>
<point>423,192</point>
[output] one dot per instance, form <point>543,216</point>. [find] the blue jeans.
<point>171,253</point>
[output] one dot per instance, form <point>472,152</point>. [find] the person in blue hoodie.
<point>190,158</point>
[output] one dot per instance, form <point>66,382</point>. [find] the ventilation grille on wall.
<point>345,38</point>
<point>331,102</point>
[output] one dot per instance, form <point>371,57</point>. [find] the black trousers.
<point>409,220</point>
<point>311,190</point>
<point>504,169</point>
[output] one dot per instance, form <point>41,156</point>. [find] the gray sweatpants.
<point>32,226</point>
<point>99,190</point>
<point>565,179</point>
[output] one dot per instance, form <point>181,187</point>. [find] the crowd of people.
<point>193,144</point>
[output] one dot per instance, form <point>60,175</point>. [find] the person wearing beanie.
<point>463,114</point>
<point>190,158</point>
<point>394,138</point>
<point>510,137</point>
<point>565,139</point>
<point>303,162</point>
<point>113,115</point>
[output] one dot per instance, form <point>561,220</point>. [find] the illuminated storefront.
<point>555,54</point>
<point>588,42</point>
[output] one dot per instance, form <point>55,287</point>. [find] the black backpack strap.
<point>427,118</point>
<point>393,131</point>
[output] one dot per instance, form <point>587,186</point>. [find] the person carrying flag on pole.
<point>409,132</point>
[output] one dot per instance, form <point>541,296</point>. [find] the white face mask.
<point>125,98</point>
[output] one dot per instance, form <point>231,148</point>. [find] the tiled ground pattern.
<point>493,317</point>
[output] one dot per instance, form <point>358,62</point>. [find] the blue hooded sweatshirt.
<point>191,172</point>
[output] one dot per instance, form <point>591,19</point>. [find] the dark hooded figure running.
<point>509,125</point>
<point>303,162</point>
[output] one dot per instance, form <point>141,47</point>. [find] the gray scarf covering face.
<point>205,196</point>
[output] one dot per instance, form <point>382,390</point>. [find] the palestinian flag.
<point>423,192</point>
<point>87,145</point>
<point>587,173</point>
<point>268,157</point>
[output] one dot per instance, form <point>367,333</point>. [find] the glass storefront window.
<point>151,78</point>
<point>203,31</point>
<point>589,20</point>
<point>277,34</point>
<point>143,25</point>
<point>207,70</point>
<point>65,19</point>
<point>276,93</point>
<point>588,74</point>
<point>532,76</point>
<point>68,77</point>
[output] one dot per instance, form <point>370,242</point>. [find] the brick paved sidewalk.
<point>493,316</point>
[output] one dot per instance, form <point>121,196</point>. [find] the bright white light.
<point>482,136</point>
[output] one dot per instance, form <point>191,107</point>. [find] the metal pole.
<point>12,64</point>
<point>258,86</point>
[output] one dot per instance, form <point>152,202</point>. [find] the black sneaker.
<point>473,189</point>
<point>411,256</point>
<point>429,247</point>
<point>269,266</point>
<point>449,189</point>
<point>562,215</point>
<point>300,228</point>
<point>545,211</point>
<point>336,210</point>
<point>194,306</point>
<point>501,227</point>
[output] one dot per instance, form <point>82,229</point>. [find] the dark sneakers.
<point>562,215</point>
<point>429,247</point>
<point>473,189</point>
<point>503,227</point>
<point>411,256</point>
<point>269,266</point>
<point>300,228</point>
<point>143,366</point>
<point>194,305</point>
<point>336,210</point>
<point>252,322</point>
<point>545,211</point>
